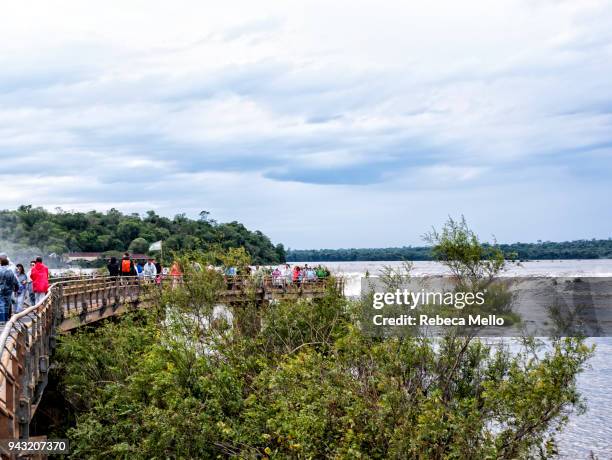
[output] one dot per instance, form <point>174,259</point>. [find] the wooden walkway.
<point>100,298</point>
<point>28,338</point>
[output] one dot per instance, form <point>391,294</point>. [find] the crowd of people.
<point>128,267</point>
<point>283,275</point>
<point>20,288</point>
<point>152,270</point>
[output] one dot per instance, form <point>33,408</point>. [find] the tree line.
<point>548,250</point>
<point>62,232</point>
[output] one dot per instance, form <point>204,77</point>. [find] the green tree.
<point>93,231</point>
<point>139,246</point>
<point>127,230</point>
<point>235,257</point>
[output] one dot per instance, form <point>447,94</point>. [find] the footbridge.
<point>29,337</point>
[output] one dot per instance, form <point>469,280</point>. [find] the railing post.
<point>57,316</point>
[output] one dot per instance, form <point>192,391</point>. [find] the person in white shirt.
<point>149,271</point>
<point>286,273</point>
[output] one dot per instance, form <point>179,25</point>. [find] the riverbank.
<point>548,250</point>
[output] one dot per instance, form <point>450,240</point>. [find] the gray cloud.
<point>414,111</point>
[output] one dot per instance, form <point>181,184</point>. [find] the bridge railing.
<point>79,296</point>
<point>79,277</point>
<point>269,282</point>
<point>26,342</point>
<point>27,339</point>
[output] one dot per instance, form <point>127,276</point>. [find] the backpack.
<point>126,266</point>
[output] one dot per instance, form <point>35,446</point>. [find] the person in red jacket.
<point>175,274</point>
<point>40,280</point>
<point>297,275</point>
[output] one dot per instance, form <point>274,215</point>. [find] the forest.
<point>543,250</point>
<point>61,232</point>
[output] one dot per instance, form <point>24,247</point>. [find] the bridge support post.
<point>23,418</point>
<point>23,409</point>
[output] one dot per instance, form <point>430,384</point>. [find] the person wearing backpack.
<point>126,268</point>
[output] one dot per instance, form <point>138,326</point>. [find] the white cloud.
<point>297,116</point>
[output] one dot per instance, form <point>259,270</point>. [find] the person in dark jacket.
<point>113,267</point>
<point>8,285</point>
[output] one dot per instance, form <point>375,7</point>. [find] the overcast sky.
<point>321,123</point>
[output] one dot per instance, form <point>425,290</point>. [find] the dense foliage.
<point>61,232</point>
<point>300,380</point>
<point>580,249</point>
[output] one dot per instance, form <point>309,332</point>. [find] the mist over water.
<point>590,432</point>
<point>23,254</point>
<point>354,271</point>
<point>19,254</point>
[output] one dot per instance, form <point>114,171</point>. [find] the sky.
<point>322,124</point>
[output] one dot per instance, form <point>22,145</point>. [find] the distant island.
<point>543,250</point>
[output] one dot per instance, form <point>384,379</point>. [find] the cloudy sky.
<point>323,124</point>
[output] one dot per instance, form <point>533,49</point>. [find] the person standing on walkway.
<point>30,288</point>
<point>150,271</point>
<point>297,275</point>
<point>8,285</point>
<point>127,266</point>
<point>138,268</point>
<point>160,270</point>
<point>277,280</point>
<point>176,274</point>
<point>113,267</point>
<point>287,273</point>
<point>40,280</point>
<point>310,274</point>
<point>22,290</point>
